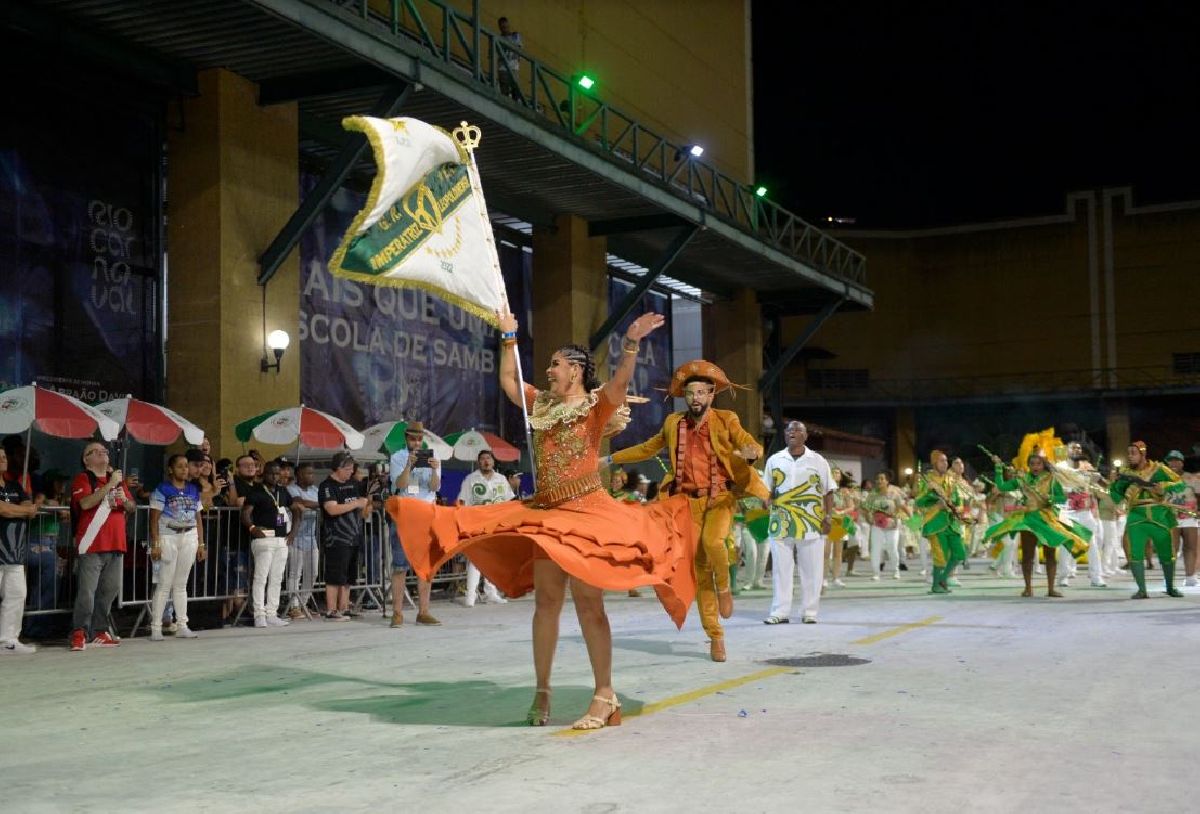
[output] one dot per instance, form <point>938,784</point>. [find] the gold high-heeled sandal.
<point>536,715</point>
<point>612,719</point>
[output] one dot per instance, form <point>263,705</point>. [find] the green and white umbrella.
<point>312,428</point>
<point>469,443</point>
<point>389,436</point>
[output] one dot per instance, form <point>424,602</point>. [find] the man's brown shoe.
<point>717,650</point>
<point>725,603</point>
<point>427,619</point>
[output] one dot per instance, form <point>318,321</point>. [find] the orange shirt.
<point>698,459</point>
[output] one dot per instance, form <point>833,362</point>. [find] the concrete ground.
<point>980,701</point>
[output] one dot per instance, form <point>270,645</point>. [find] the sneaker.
<point>494,599</point>
<point>156,634</point>
<point>1064,582</point>
<point>334,616</point>
<point>15,648</point>
<point>172,628</point>
<point>186,632</point>
<point>260,621</point>
<point>953,583</point>
<point>896,575</point>
<point>837,583</point>
<point>78,639</point>
<point>809,620</point>
<point>353,614</point>
<point>1099,583</point>
<point>427,619</point>
<point>875,578</point>
<point>275,621</point>
<point>1189,582</point>
<point>104,639</point>
<point>295,613</point>
<point>466,601</point>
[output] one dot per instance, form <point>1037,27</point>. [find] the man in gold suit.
<point>710,455</point>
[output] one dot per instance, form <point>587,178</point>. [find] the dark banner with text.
<point>78,247</point>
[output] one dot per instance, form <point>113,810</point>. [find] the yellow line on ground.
<point>711,689</point>
<point>896,631</point>
<point>687,697</point>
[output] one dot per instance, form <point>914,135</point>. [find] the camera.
<point>422,457</point>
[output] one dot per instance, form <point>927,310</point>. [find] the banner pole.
<point>469,140</point>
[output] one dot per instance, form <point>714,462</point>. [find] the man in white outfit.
<point>483,486</point>
<point>801,486</point>
<point>1080,510</point>
<point>265,514</point>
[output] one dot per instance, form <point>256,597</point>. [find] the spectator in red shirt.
<point>99,502</point>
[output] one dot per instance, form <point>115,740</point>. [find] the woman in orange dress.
<point>571,530</point>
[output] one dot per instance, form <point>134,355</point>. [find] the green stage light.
<point>585,82</point>
<point>761,192</point>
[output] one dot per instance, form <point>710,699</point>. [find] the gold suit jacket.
<point>726,434</point>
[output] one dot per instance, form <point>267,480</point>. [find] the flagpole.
<point>468,137</point>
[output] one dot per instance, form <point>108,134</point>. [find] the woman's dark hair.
<point>887,473</point>
<point>652,492</point>
<point>579,355</point>
<point>172,459</point>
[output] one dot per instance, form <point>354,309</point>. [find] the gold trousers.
<point>713,518</point>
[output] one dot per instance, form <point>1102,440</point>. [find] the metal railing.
<point>485,57</point>
<point>224,575</point>
<point>1144,380</point>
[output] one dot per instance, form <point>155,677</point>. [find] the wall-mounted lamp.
<point>277,343</point>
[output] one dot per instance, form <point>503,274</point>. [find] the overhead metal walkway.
<point>549,147</point>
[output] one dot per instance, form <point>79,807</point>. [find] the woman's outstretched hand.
<point>643,325</point>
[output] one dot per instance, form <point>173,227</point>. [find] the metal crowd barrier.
<point>224,575</point>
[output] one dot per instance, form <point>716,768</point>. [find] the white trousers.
<point>12,609</point>
<point>173,576</point>
<point>809,554</point>
<point>1110,546</point>
<point>473,578</point>
<point>302,573</point>
<point>754,554</point>
<point>1004,563</point>
<point>923,551</point>
<point>885,541</point>
<point>270,559</point>
<point>1089,522</point>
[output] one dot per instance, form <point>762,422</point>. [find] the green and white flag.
<point>425,223</point>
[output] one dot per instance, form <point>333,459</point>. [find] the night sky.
<point>922,114</point>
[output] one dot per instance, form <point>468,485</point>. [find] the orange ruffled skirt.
<point>607,544</point>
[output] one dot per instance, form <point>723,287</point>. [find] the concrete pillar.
<point>232,182</point>
<point>733,340</point>
<point>1116,426</point>
<point>570,291</point>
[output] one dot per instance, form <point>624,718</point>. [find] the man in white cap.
<point>802,488</point>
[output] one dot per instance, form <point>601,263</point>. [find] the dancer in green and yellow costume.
<point>1037,523</point>
<point>943,517</point>
<point>1144,485</point>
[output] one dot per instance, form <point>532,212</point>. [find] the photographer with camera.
<point>417,474</point>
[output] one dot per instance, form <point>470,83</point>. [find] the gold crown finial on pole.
<point>467,135</point>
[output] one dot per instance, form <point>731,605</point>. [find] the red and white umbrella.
<point>312,428</point>
<point>150,423</point>
<point>53,413</point>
